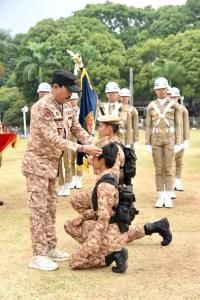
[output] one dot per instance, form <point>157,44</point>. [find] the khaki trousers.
<point>163,158</point>
<point>179,164</point>
<point>42,204</point>
<point>66,176</point>
<point>68,161</point>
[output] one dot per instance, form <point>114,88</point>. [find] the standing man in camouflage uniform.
<point>129,115</point>
<point>51,122</point>
<point>185,135</point>
<point>163,139</point>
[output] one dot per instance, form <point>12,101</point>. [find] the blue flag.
<point>88,104</point>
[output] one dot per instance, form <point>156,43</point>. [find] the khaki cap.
<point>110,119</point>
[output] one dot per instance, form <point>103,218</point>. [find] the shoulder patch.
<point>47,115</point>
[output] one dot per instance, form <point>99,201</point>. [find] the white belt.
<point>163,130</point>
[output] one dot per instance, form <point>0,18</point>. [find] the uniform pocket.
<point>169,141</point>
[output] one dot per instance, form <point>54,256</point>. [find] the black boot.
<point>109,259</point>
<point>1,202</point>
<point>161,227</point>
<point>120,258</point>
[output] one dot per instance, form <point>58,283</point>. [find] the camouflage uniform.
<point>50,124</point>
<point>82,200</point>
<point>97,237</point>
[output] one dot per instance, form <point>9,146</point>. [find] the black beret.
<point>66,78</point>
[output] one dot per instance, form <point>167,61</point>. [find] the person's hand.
<point>91,150</point>
<point>148,148</point>
<point>177,148</point>
<point>185,145</point>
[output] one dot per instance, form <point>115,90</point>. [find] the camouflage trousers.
<point>113,241</point>
<point>42,204</point>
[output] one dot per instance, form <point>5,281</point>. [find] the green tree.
<point>35,65</point>
<point>173,71</point>
<point>11,103</point>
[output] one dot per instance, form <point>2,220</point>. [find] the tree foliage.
<point>111,38</point>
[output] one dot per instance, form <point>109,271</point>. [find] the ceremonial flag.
<point>88,104</point>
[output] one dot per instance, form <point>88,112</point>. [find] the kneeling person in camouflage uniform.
<point>102,241</point>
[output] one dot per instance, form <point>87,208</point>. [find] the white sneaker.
<point>168,199</point>
<point>60,190</point>
<point>173,195</point>
<point>72,184</point>
<point>66,190</point>
<point>57,255</point>
<point>178,184</point>
<point>79,182</point>
<point>42,263</point>
<point>161,199</point>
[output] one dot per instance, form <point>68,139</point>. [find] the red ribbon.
<point>6,139</point>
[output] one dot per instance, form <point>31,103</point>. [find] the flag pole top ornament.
<point>76,57</point>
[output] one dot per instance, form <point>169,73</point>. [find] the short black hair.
<point>115,128</point>
<point>109,154</point>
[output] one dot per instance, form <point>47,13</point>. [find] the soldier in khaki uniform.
<point>108,127</point>
<point>69,179</point>
<point>43,89</point>
<point>112,94</point>
<point>129,115</point>
<point>51,122</point>
<point>101,240</point>
<point>163,139</point>
<point>185,135</point>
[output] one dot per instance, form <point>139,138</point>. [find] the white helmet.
<point>74,96</point>
<point>161,83</point>
<point>169,91</point>
<point>124,93</point>
<point>44,87</point>
<point>112,87</point>
<point>175,92</point>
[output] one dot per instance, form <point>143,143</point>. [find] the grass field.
<point>154,272</point>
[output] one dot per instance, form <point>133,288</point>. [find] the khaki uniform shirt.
<point>185,127</point>
<point>117,169</point>
<point>171,122</point>
<point>129,116</point>
<point>50,124</point>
